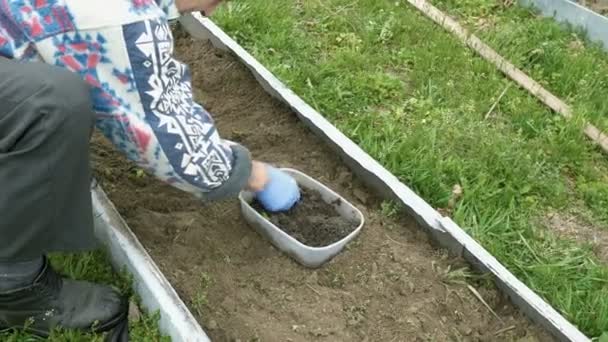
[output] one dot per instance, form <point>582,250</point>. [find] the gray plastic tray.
<point>308,256</point>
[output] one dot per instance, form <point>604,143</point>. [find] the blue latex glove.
<point>281,192</point>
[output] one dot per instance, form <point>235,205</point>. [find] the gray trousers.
<point>46,122</point>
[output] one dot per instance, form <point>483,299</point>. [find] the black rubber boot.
<point>53,302</point>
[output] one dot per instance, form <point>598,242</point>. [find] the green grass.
<point>415,99</point>
<point>556,56</point>
<point>574,70</point>
<point>95,267</point>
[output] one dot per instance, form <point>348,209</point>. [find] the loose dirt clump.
<point>390,284</point>
<point>311,221</point>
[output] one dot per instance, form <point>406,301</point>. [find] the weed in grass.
<point>415,98</point>
<point>147,329</point>
<point>595,195</point>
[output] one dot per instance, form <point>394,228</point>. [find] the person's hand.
<point>280,193</point>
<point>259,176</point>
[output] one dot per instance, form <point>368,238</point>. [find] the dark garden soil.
<point>312,221</point>
<point>390,284</point>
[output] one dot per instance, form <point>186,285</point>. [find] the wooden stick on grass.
<point>504,92</point>
<point>552,101</point>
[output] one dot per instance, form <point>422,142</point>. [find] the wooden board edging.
<point>155,291</point>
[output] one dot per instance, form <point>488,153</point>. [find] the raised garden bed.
<point>417,101</point>
<point>390,284</point>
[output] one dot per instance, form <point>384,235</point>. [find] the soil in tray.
<point>390,284</point>
<point>311,221</point>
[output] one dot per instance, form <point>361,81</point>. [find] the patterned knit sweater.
<point>141,94</point>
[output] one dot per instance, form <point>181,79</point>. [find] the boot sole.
<point>120,333</point>
<point>107,326</point>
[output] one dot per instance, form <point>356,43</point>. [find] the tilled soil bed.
<point>390,284</point>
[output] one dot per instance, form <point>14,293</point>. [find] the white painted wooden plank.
<point>155,291</point>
